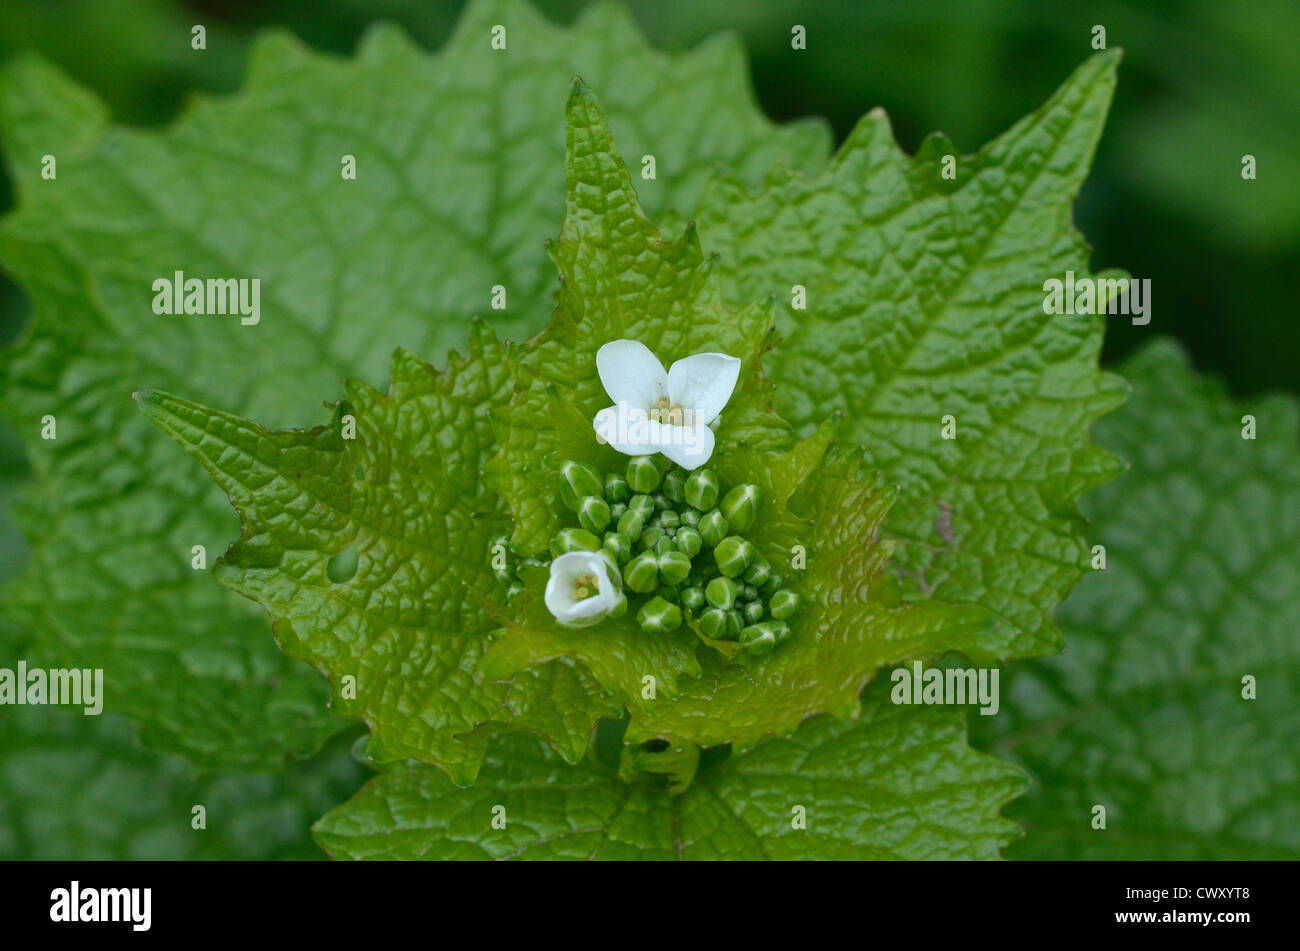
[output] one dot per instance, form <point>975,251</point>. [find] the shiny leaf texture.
<point>373,554</point>
<point>899,783</point>
<point>905,297</point>
<point>622,279</point>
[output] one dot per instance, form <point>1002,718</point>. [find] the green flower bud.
<point>650,537</point>
<point>644,504</point>
<point>688,541</point>
<point>690,517</point>
<point>630,524</point>
<point>573,539</point>
<point>713,623</point>
<point>674,485</point>
<point>752,612</point>
<point>731,556</point>
<point>757,573</point>
<point>577,481</point>
<point>658,616</point>
<point>641,574</point>
<point>620,608</point>
<point>661,501</point>
<point>748,592</point>
<point>713,528</point>
<point>643,475</point>
<point>618,547</point>
<point>617,509</point>
<point>616,488</point>
<point>782,630</point>
<point>734,623</point>
<point>693,598</point>
<point>771,585</point>
<point>666,545</point>
<point>674,566</point>
<point>702,489</point>
<point>721,593</point>
<point>758,639</point>
<point>783,604</point>
<point>740,506</point>
<point>593,514</point>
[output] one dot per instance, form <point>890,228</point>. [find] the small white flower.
<point>584,588</point>
<point>656,411</point>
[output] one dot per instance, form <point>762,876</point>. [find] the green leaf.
<point>851,623</point>
<point>108,581</point>
<point>79,788</point>
<point>901,783</point>
<point>373,554</point>
<point>924,300</point>
<point>621,279</point>
<point>13,474</point>
<point>459,164</point>
<point>1145,714</point>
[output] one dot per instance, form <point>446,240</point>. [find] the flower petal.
<point>559,595</point>
<point>631,373</point>
<point>689,447</point>
<point>703,383</point>
<point>591,609</point>
<point>624,430</point>
<point>565,572</point>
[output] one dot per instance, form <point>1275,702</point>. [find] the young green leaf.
<point>899,784</point>
<point>906,297</point>
<point>621,279</point>
<point>851,623</point>
<point>370,541</point>
<point>1177,706</point>
<point>457,163</point>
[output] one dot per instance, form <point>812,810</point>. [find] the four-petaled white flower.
<point>584,588</point>
<point>656,411</point>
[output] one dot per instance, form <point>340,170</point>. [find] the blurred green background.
<point>1202,84</point>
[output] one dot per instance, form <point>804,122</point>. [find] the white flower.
<point>668,412</point>
<point>584,588</point>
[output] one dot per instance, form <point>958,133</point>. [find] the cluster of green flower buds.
<point>679,542</point>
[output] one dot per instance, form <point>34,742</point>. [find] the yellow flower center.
<point>587,586</point>
<point>666,413</point>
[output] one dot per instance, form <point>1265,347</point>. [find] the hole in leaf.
<point>609,741</point>
<point>712,758</point>
<point>342,567</point>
